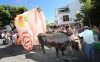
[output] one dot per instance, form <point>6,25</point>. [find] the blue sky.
<point>47,6</point>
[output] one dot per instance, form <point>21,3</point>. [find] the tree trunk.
<point>12,28</point>
<point>89,20</point>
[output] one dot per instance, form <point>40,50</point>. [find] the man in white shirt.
<point>88,42</point>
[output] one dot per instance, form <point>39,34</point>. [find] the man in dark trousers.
<point>88,45</point>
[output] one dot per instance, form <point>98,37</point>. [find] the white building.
<point>67,13</point>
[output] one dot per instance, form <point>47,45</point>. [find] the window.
<point>66,18</point>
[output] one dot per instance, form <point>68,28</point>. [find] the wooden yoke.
<point>78,40</point>
<point>75,37</point>
<point>70,46</point>
<point>70,28</point>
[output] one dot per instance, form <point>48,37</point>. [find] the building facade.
<point>67,13</point>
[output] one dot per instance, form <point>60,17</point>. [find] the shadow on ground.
<point>12,51</point>
<point>1,44</point>
<point>51,56</point>
<point>37,55</point>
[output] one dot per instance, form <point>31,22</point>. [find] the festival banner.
<point>29,25</point>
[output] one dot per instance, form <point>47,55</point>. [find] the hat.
<point>85,27</point>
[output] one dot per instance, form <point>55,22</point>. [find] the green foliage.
<point>4,16</point>
<point>82,1</point>
<point>20,9</point>
<point>85,22</point>
<point>87,6</point>
<point>47,25</point>
<point>79,16</point>
<point>46,21</point>
<point>91,11</point>
<point>8,13</point>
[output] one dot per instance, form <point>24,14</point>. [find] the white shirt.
<point>73,37</point>
<point>87,36</point>
<point>2,35</point>
<point>14,35</point>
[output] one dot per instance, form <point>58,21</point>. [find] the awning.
<point>67,9</point>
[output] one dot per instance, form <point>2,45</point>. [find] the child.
<point>18,41</point>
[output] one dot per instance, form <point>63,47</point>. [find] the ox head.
<point>63,46</point>
<point>73,44</point>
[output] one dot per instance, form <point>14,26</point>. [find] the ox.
<point>58,40</point>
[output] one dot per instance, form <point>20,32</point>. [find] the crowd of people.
<point>77,30</point>
<point>10,38</point>
<point>90,35</point>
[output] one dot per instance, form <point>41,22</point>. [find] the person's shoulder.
<point>90,30</point>
<point>14,34</point>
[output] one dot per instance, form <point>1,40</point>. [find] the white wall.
<point>60,18</point>
<point>8,28</point>
<point>73,7</point>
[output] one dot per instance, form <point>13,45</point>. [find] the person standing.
<point>18,41</point>
<point>95,33</point>
<point>88,45</point>
<point>3,37</point>
<point>14,36</point>
<point>8,38</point>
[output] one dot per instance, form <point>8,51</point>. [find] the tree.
<point>47,25</point>
<point>3,15</point>
<point>86,7</point>
<point>8,13</point>
<point>90,9</point>
<point>95,11</point>
<point>79,16</point>
<point>15,11</point>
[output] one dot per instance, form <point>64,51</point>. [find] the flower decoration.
<point>38,9</point>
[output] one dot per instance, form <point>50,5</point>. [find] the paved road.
<point>18,54</point>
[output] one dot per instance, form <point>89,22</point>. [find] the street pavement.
<point>16,53</point>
